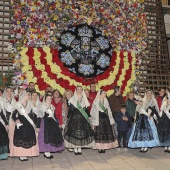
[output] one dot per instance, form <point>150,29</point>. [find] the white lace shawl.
<point>27,108</point>
<point>151,103</point>
<point>74,99</point>
<point>165,108</point>
<point>141,110</point>
<point>8,106</point>
<point>4,93</point>
<point>44,108</point>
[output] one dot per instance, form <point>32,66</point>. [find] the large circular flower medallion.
<point>85,51</point>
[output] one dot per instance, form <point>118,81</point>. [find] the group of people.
<point>31,123</point>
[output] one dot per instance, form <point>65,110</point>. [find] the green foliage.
<point>6,79</point>
<point>2,84</point>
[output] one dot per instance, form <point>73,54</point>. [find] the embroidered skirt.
<point>105,137</point>
<point>50,137</point>
<point>144,133</point>
<point>20,151</point>
<point>164,130</point>
<point>78,132</point>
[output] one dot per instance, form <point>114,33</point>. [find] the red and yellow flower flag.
<point>43,67</point>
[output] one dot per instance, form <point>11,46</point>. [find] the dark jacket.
<point>122,125</point>
<point>115,103</point>
<point>130,107</point>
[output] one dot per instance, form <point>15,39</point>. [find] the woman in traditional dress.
<point>149,101</point>
<point>144,133</point>
<point>164,123</point>
<point>8,102</point>
<point>102,121</point>
<point>4,141</point>
<point>7,107</point>
<point>23,138</point>
<point>35,104</point>
<point>50,135</point>
<point>78,131</point>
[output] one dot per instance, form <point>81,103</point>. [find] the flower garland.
<point>40,69</point>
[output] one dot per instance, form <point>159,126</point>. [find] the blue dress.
<point>144,132</point>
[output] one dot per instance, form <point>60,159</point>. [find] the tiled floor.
<point>154,159</point>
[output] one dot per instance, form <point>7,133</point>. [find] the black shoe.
<point>23,159</point>
<point>103,151</point>
<point>166,151</point>
<point>141,151</point>
<point>50,157</point>
<point>144,151</point>
<point>3,159</point>
<point>79,153</point>
<point>76,153</point>
<point>100,151</point>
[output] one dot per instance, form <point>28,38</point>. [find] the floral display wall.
<point>35,41</point>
